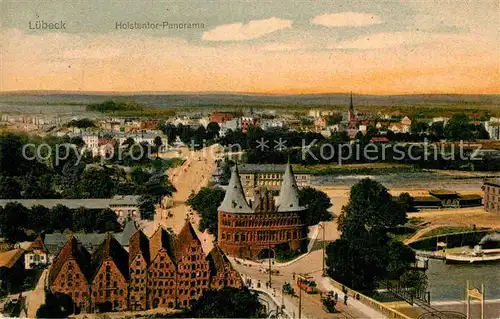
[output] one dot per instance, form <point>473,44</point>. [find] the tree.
<point>227,303</point>
<point>419,127</point>
<point>399,256</point>
<point>318,205</point>
<point>12,222</point>
<point>169,130</point>
<point>154,190</point>
<point>213,129</point>
<point>106,221</point>
<point>128,142</point>
<point>206,202</point>
<point>56,305</point>
<point>357,262</point>
<point>97,183</point>
<point>61,218</point>
<point>370,205</point>
<point>364,253</point>
<point>407,201</point>
<point>38,219</point>
<point>158,143</point>
<point>9,188</point>
<point>437,128</point>
<point>334,119</point>
<point>82,123</point>
<point>459,128</point>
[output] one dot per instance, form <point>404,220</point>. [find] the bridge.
<point>274,308</point>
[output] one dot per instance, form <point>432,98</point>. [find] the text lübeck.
<point>44,25</point>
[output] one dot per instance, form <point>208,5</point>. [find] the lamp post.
<point>322,226</point>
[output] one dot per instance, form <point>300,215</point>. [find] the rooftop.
<point>265,168</point>
<point>9,258</point>
<point>493,182</point>
<point>90,203</point>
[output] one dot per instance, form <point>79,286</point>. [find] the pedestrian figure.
<point>336,297</point>
<point>345,299</point>
<point>293,276</point>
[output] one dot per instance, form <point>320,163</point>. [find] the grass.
<point>356,169</point>
<point>447,230</point>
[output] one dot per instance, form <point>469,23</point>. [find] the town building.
<point>493,128</point>
<point>125,206</point>
<point>268,175</point>
<point>11,268</point>
<point>220,117</point>
<point>492,196</point>
<point>164,271</point>
<point>255,229</point>
<point>36,255</point>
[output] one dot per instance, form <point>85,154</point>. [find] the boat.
<point>477,255</point>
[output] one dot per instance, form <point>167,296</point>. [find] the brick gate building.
<point>254,229</point>
<point>164,271</point>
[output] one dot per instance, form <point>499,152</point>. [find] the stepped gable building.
<point>221,271</point>
<point>138,261</point>
<point>70,273</point>
<point>193,274</point>
<point>109,282</point>
<point>164,271</point>
<point>253,230</point>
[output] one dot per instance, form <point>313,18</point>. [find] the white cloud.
<point>252,30</point>
<point>346,19</point>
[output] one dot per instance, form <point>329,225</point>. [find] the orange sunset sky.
<point>373,47</point>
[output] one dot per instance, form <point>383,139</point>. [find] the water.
<point>448,281</point>
<point>410,180</point>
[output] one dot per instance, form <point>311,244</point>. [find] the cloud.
<point>252,30</point>
<point>346,19</point>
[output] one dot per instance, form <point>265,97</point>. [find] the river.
<point>448,281</point>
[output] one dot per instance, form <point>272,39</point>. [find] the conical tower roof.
<point>289,192</point>
<point>234,200</point>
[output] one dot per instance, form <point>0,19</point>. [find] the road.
<point>37,297</point>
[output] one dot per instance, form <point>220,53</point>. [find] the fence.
<point>372,303</point>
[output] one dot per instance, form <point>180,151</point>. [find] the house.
<point>125,206</point>
<point>70,273</point>
<point>11,268</point>
<point>138,260</point>
<point>267,124</point>
<point>220,117</point>
<point>493,128</point>
<point>222,272</point>
<point>491,190</point>
<point>406,121</point>
<point>36,255</point>
<point>109,280</point>
<point>165,271</point>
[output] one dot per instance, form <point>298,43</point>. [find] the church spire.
<point>289,193</point>
<point>234,200</point>
<point>351,104</point>
<point>350,112</point>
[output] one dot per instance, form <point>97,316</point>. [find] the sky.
<point>272,47</point>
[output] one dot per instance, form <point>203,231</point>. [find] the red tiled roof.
<point>72,249</point>
<point>38,245</point>
<point>218,261</point>
<point>110,248</point>
<point>9,258</point>
<point>138,244</point>
<point>186,235</point>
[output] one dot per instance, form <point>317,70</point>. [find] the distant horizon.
<point>62,92</point>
